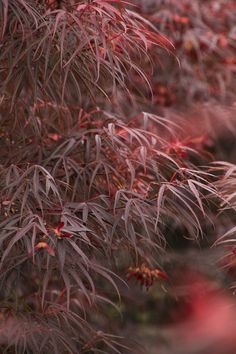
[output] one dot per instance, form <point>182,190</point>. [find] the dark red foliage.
<point>145,276</point>
<point>89,183</point>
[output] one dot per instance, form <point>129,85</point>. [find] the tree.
<point>85,193</point>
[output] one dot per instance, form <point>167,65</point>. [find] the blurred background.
<point>194,85</point>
